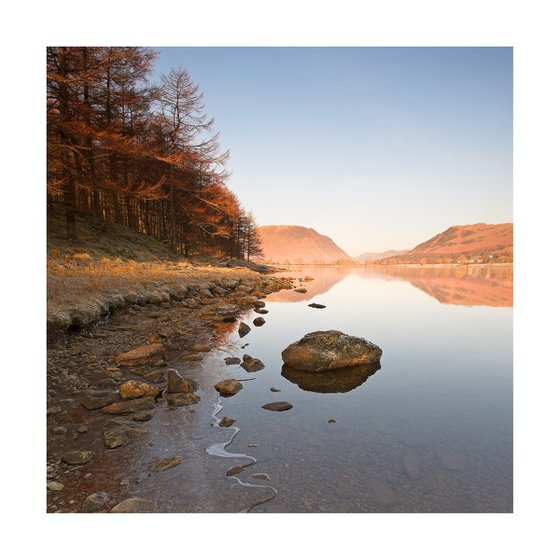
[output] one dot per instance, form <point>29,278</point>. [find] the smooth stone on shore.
<point>244,329</point>
<point>232,361</point>
<point>94,399</point>
<point>118,432</point>
<point>165,463</point>
<point>54,486</point>
<point>226,422</point>
<point>143,416</point>
<point>134,505</point>
<point>94,502</point>
<point>228,387</point>
<point>55,409</point>
<point>412,464</point>
<point>261,311</point>
<point>150,354</point>
<point>301,290</point>
<point>251,364</point>
<point>134,405</point>
<point>259,322</point>
<point>135,389</point>
<point>77,457</point>
<point>327,350</point>
<point>176,383</point>
<point>278,406</point>
<point>258,304</point>
<point>182,399</point>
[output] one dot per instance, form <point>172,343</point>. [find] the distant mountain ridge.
<point>298,244</point>
<point>469,243</point>
<point>369,257</point>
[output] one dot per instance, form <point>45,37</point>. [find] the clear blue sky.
<point>378,148</point>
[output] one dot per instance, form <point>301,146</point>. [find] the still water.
<point>431,431</point>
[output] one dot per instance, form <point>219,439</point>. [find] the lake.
<point>431,431</point>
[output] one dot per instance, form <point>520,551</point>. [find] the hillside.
<point>296,244</point>
<point>478,243</point>
<point>370,257</point>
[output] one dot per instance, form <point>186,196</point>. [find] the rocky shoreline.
<point>102,392</point>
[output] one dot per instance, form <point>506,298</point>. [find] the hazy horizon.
<point>378,148</point>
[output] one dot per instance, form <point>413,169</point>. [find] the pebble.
<point>278,406</point>
<point>59,430</point>
<point>165,463</point>
<point>55,486</point>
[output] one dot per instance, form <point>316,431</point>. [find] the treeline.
<point>123,150</point>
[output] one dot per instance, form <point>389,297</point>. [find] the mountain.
<point>369,257</point>
<point>297,244</point>
<point>471,243</point>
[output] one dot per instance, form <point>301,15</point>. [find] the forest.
<point>125,150</point>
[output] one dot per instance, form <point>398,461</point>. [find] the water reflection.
<point>340,381</point>
<point>459,285</point>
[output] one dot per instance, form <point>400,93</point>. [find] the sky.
<point>378,148</point>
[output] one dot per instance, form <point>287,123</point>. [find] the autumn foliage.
<point>123,150</point>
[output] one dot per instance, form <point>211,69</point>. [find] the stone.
<point>235,470</point>
<point>278,406</point>
<point>95,502</point>
<point>383,494</point>
<point>232,361</point>
<point>244,329</point>
<point>153,338</point>
<point>261,311</point>
<point>412,464</point>
<point>83,429</point>
<point>228,387</point>
<point>301,290</point>
<point>332,421</point>
<point>317,305</point>
<point>118,432</point>
<point>275,390</point>
<point>77,457</point>
<point>155,376</point>
<point>327,350</point>
<point>54,410</point>
<point>134,505</point>
<point>205,294</point>
<point>191,303</point>
<point>259,322</point>
<point>55,486</point>
<point>165,463</point>
<point>259,304</point>
<point>136,389</point>
<point>261,476</point>
<point>251,364</point>
<point>94,399</point>
<point>150,354</point>
<point>59,430</point>
<point>143,416</point>
<point>192,358</point>
<point>226,422</point>
<point>182,399</point>
<point>179,384</point>
<point>134,405</point>
<point>201,348</point>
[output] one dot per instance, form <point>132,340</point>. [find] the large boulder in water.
<point>329,350</point>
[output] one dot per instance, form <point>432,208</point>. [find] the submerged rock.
<point>94,399</point>
<point>278,406</point>
<point>228,387</point>
<point>150,354</point>
<point>182,399</point>
<point>134,405</point>
<point>251,364</point>
<point>118,432</point>
<point>451,460</point>
<point>94,502</point>
<point>328,350</point>
<point>165,463</point>
<point>412,464</point>
<point>143,416</point>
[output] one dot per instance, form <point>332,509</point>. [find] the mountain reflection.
<point>337,381</point>
<point>458,285</point>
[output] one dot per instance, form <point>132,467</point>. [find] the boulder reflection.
<point>337,381</point>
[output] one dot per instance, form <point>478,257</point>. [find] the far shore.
<point>401,265</point>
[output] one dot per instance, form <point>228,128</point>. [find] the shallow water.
<point>431,431</point>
